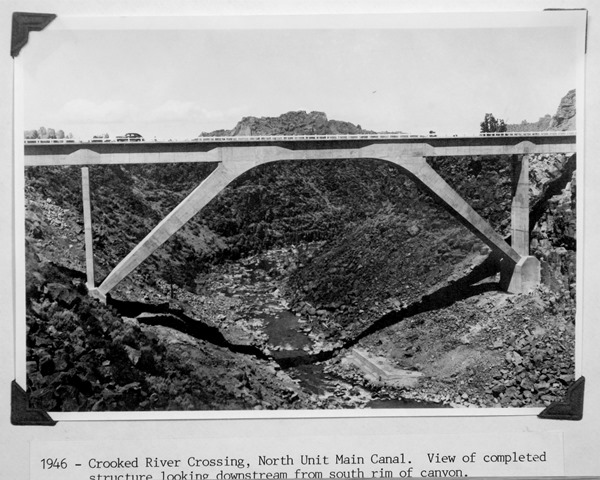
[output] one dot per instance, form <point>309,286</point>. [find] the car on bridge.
<point>130,137</point>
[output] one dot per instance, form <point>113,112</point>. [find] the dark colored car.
<point>130,137</point>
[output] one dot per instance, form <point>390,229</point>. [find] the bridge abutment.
<point>522,277</point>
<point>97,294</point>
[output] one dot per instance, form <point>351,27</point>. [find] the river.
<point>254,287</point>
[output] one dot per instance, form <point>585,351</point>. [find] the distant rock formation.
<point>316,123</point>
<point>290,123</point>
<point>563,119</point>
<point>542,124</point>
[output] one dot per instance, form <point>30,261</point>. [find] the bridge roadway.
<point>208,149</point>
<point>236,155</point>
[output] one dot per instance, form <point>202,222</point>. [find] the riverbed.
<point>246,301</point>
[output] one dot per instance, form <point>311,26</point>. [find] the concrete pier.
<point>521,277</point>
<point>520,205</point>
<point>525,275</point>
<point>87,227</point>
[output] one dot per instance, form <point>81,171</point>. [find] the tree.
<point>44,132</point>
<point>490,124</point>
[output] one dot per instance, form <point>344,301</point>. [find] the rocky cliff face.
<point>291,123</point>
<point>553,206</point>
<point>563,119</point>
<point>542,124</point>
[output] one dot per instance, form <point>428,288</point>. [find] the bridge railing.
<point>275,138</point>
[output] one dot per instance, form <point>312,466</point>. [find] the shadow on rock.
<point>461,289</point>
<point>176,319</point>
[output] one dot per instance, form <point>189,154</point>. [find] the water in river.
<point>256,283</point>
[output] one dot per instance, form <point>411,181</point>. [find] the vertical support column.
<point>87,226</point>
<point>520,205</point>
<point>526,274</point>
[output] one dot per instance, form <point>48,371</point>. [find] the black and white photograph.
<point>309,215</point>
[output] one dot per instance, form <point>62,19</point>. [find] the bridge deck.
<point>259,138</point>
<point>68,152</point>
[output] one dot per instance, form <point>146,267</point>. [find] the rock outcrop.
<point>291,123</point>
<point>564,118</point>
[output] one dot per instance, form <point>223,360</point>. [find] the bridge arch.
<point>232,165</point>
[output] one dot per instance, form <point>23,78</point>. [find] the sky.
<point>179,83</point>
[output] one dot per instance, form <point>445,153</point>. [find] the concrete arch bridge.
<point>520,271</point>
